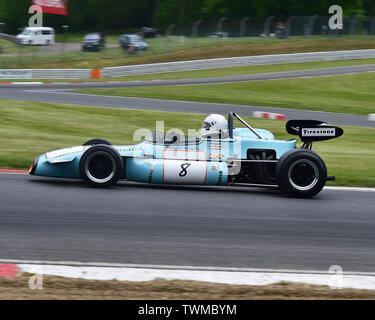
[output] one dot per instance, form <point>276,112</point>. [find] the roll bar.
<point>230,125</point>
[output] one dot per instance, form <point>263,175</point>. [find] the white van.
<point>37,36</point>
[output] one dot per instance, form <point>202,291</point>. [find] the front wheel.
<point>301,173</point>
<point>96,141</point>
<point>101,166</point>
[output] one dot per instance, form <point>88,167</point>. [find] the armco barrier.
<point>9,38</point>
<point>45,73</point>
<point>61,73</point>
<point>185,65</point>
<point>237,62</point>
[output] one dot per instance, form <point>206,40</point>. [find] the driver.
<point>215,126</point>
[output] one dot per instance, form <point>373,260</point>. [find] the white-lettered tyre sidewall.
<point>103,151</point>
<point>289,161</point>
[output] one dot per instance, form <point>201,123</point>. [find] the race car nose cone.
<point>33,166</point>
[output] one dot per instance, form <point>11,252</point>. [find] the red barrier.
<point>96,74</point>
<point>8,270</point>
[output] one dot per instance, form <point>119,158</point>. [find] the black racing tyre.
<point>301,173</point>
<point>101,166</point>
<point>96,141</point>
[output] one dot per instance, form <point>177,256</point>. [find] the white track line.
<point>23,83</point>
<point>356,189</point>
<point>239,276</point>
<point>171,267</point>
<point>16,173</point>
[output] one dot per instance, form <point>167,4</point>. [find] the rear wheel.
<point>301,173</point>
<point>100,166</point>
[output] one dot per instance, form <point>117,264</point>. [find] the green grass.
<point>8,47</point>
<point>353,94</point>
<point>234,71</point>
<point>176,48</point>
<point>29,129</point>
<point>221,72</point>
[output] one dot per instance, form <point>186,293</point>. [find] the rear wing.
<point>313,130</point>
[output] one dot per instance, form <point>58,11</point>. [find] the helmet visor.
<point>206,125</point>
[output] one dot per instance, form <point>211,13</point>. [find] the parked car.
<point>147,32</point>
<point>221,155</point>
<point>222,35</point>
<point>133,41</point>
<point>37,36</point>
<point>93,42</point>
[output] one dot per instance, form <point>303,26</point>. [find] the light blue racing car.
<point>222,155</point>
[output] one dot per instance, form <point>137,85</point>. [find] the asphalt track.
<point>60,93</point>
<point>65,220</point>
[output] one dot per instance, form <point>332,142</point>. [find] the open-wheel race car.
<point>222,155</point>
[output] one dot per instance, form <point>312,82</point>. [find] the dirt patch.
<point>66,288</point>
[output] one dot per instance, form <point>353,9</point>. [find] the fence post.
<point>66,29</point>
<point>167,33</point>
<point>1,27</point>
<point>219,27</point>
<point>289,26</point>
<point>372,26</point>
<point>353,24</point>
<point>194,32</point>
<point>243,27</point>
<point>311,25</point>
<point>267,23</point>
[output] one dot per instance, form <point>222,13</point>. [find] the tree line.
<point>113,15</point>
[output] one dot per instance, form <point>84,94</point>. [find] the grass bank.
<point>8,47</point>
<point>28,129</point>
<point>173,49</point>
<point>222,72</point>
<point>353,94</point>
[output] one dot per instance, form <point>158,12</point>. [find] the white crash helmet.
<point>215,126</point>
